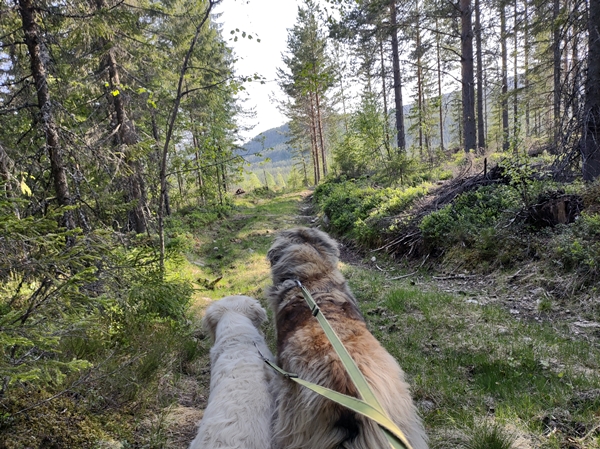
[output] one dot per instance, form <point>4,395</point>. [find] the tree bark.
<point>556,69</point>
<point>397,79</point>
<point>590,147</point>
<point>320,133</point>
<point>504,75</point>
<point>468,88</point>
<point>38,59</point>
<point>439,76</point>
<point>135,189</point>
<point>479,55</point>
<point>314,140</point>
<point>515,74</point>
<point>386,131</point>
<point>420,102</point>
<point>526,68</point>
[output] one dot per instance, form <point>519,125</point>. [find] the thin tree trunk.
<point>468,88</point>
<point>526,68</point>
<point>314,141</point>
<point>38,57</point>
<point>386,127</point>
<point>420,95</point>
<point>163,199</point>
<point>515,74</point>
<point>343,91</point>
<point>439,75</point>
<point>135,190</point>
<point>199,174</point>
<point>478,44</point>
<point>504,99</point>
<point>556,69</point>
<point>397,79</point>
<point>320,133</point>
<point>590,147</point>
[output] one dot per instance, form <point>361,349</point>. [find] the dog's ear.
<point>211,318</point>
<point>256,313</point>
<point>273,255</point>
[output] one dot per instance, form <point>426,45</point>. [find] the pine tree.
<point>306,80</point>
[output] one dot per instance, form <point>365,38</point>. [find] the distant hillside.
<point>270,144</point>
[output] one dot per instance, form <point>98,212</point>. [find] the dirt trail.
<point>179,421</point>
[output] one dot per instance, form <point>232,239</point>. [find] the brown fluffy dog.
<point>303,419</point>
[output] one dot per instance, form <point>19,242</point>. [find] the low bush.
<point>471,220</point>
<point>576,247</point>
<point>355,208</point>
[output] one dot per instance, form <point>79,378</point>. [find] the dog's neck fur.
<point>291,310</point>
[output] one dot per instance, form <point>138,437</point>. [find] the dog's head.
<point>243,305</point>
<point>302,254</point>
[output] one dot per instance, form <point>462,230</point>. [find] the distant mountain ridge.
<point>270,144</point>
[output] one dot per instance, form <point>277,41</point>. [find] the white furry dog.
<point>302,419</point>
<point>239,410</point>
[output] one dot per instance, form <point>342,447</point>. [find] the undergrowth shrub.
<point>471,220</point>
<point>576,247</point>
<point>93,324</point>
<point>355,208</point>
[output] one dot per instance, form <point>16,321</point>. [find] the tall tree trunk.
<point>590,146</point>
<point>468,88</point>
<point>526,67</point>
<point>479,57</point>
<point>504,75</point>
<point>420,95</point>
<point>397,78</point>
<point>135,188</point>
<point>515,72</point>
<point>386,127</point>
<point>199,174</point>
<point>556,70</point>
<point>314,140</point>
<point>320,133</point>
<point>439,76</point>
<point>38,56</point>
<point>4,169</point>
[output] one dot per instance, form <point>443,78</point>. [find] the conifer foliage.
<point>105,131</point>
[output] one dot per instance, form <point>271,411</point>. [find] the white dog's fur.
<point>239,410</point>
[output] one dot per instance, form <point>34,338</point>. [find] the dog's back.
<point>304,420</point>
<point>239,409</point>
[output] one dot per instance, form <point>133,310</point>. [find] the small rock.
<point>514,311</point>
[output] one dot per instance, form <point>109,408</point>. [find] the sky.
<point>269,21</point>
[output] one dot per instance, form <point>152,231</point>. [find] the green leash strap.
<point>369,406</point>
<point>392,432</point>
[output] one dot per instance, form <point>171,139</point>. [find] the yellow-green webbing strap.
<point>369,406</point>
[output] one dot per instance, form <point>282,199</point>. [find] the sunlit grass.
<point>235,249</point>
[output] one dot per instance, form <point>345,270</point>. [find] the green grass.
<point>467,361</point>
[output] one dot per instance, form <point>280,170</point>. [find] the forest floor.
<point>480,351</point>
